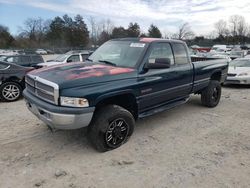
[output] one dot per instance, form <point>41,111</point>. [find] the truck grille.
<point>42,88</point>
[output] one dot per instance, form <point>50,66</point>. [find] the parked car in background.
<point>67,58</point>
<point>239,71</point>
<point>219,48</point>
<point>236,54</point>
<point>41,51</point>
<point>25,60</point>
<point>12,81</point>
<point>2,57</point>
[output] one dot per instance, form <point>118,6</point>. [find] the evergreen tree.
<point>154,32</point>
<point>133,30</point>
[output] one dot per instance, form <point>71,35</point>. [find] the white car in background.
<point>239,72</point>
<point>67,58</point>
<point>237,54</point>
<point>41,51</point>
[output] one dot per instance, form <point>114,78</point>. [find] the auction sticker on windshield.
<point>137,45</point>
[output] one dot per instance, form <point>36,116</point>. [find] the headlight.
<point>243,74</point>
<point>74,102</point>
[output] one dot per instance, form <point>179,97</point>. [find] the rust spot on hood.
<point>80,70</point>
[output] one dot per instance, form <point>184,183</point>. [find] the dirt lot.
<point>189,146</point>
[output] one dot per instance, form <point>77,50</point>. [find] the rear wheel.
<point>210,97</point>
<point>111,127</point>
<point>10,91</point>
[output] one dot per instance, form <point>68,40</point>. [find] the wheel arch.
<point>125,99</point>
<point>216,75</point>
<point>16,80</point>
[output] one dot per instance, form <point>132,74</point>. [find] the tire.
<point>210,97</point>
<point>111,127</point>
<point>10,92</point>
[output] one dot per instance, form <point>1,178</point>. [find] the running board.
<point>163,108</point>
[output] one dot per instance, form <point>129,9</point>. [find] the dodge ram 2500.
<point>122,81</point>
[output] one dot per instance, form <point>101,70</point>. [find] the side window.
<point>73,58</point>
<point>161,50</point>
<point>37,59</point>
<point>180,53</point>
<point>84,56</point>
<point>25,60</point>
<point>13,59</point>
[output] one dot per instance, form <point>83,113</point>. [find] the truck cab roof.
<point>148,40</point>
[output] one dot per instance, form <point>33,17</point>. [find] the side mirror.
<point>158,63</point>
<point>69,61</point>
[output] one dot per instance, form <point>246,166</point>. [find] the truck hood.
<point>81,74</point>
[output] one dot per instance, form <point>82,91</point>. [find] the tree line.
<point>66,31</point>
<point>69,31</point>
<point>235,30</point>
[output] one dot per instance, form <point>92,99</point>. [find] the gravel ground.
<point>189,146</point>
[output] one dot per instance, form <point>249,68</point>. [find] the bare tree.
<point>184,32</point>
<point>100,29</point>
<point>221,27</point>
<point>93,30</point>
<point>242,27</point>
<point>238,25</point>
<point>211,35</point>
<point>35,29</point>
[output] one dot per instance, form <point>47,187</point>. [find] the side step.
<point>162,108</point>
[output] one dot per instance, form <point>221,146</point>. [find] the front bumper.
<point>58,117</point>
<point>237,80</point>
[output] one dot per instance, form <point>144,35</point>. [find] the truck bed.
<point>202,72</point>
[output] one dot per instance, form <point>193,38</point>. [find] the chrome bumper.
<point>237,80</point>
<point>59,117</point>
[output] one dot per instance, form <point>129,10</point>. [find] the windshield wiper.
<point>107,62</point>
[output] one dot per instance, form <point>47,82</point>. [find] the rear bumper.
<point>237,80</point>
<point>56,116</point>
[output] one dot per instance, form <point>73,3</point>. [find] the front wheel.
<point>111,127</point>
<point>210,96</point>
<point>10,91</point>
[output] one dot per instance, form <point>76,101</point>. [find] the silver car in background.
<point>239,72</point>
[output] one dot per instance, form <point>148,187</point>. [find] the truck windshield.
<point>119,53</point>
<point>61,58</point>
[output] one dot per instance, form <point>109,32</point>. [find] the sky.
<point>168,15</point>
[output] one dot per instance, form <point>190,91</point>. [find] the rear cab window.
<point>180,53</point>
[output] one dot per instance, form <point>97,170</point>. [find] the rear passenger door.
<point>159,86</point>
<point>183,68</point>
<point>25,61</point>
<point>36,59</point>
